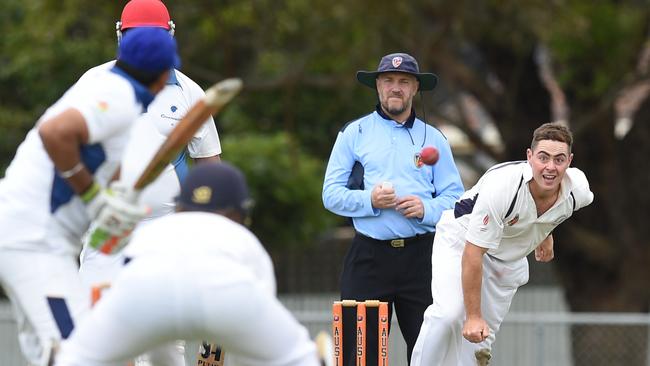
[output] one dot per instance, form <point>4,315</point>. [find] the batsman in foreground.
<point>195,274</point>
<point>479,252</point>
<point>57,183</point>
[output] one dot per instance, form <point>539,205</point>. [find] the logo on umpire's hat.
<point>202,195</point>
<point>397,61</point>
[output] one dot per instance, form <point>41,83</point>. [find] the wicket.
<point>382,325</point>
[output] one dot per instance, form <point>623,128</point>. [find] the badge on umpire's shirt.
<point>417,159</point>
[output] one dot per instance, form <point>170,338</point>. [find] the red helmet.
<point>144,13</point>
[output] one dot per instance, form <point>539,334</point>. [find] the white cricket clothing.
<point>42,219</point>
<point>37,207</point>
<point>193,276</point>
<point>482,210</point>
<point>162,115</point>
<point>490,216</point>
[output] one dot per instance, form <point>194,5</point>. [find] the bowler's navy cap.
<point>149,49</point>
<point>398,62</point>
<point>211,186</point>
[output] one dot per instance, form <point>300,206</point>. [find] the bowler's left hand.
<point>544,251</point>
<point>411,207</point>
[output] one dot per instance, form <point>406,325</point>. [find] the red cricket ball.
<point>429,155</point>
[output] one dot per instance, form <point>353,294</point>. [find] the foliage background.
<point>298,59</point>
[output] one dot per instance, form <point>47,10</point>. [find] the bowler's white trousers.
<point>158,299</point>
<point>441,342</point>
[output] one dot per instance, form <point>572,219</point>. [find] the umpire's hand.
<point>383,197</point>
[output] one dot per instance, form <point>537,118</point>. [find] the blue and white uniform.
<point>162,115</point>
<point>498,214</point>
<point>42,220</point>
<point>195,276</point>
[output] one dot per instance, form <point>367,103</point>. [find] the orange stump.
<point>361,322</point>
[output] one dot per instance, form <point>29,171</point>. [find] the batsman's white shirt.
<point>195,276</point>
<point>162,115</point>
<point>42,220</point>
<point>498,213</point>
<point>37,207</point>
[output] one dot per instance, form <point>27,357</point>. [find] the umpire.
<point>376,177</point>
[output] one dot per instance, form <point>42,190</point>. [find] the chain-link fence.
<point>525,338</point>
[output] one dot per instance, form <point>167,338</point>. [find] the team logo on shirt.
<point>417,159</point>
<point>396,61</point>
<point>486,219</point>
<point>514,220</point>
<point>102,106</point>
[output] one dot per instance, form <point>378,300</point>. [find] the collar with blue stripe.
<point>408,123</point>
<point>142,93</point>
<point>173,80</point>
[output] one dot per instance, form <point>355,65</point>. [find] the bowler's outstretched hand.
<point>544,251</point>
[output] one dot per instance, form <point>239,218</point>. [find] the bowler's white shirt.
<point>482,210</point>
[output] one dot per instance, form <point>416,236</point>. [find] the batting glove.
<point>115,214</point>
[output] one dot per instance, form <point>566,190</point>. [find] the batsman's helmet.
<point>144,13</point>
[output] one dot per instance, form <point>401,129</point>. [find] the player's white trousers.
<point>97,269</point>
<point>155,300</point>
<point>441,342</point>
<point>47,297</point>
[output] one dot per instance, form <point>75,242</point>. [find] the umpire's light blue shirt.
<point>388,151</point>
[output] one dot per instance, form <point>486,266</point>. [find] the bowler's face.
<point>396,91</point>
<point>549,161</point>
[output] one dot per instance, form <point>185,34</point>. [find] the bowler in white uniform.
<point>479,252</point>
<point>55,186</point>
<point>196,274</point>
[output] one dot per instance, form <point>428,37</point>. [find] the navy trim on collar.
<point>408,123</point>
<point>142,93</point>
<point>173,80</point>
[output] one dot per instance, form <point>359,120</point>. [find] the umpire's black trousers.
<point>392,271</point>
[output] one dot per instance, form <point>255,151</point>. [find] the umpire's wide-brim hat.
<point>398,62</point>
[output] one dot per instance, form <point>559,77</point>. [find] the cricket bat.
<point>216,97</point>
